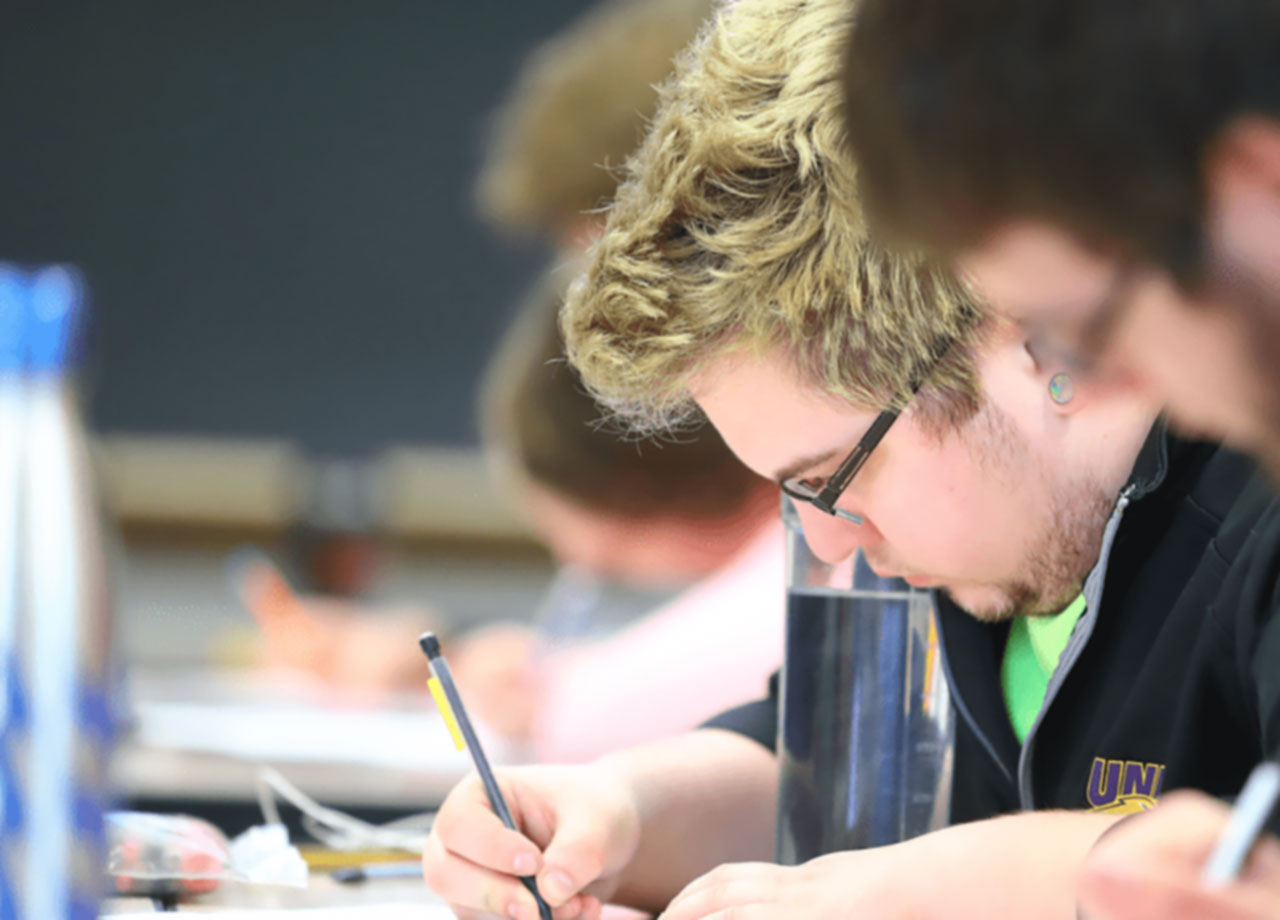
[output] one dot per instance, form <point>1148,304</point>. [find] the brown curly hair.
<point>738,227</point>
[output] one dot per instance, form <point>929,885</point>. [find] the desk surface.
<point>321,892</point>
<point>205,736</point>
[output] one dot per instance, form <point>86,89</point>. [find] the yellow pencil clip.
<point>442,703</point>
<point>932,646</point>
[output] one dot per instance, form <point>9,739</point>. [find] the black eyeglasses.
<point>824,495</point>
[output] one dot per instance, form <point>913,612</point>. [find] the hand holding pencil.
<point>346,645</point>
<point>568,831</point>
<point>1150,868</point>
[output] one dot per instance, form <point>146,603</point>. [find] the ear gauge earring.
<point>1061,389</point>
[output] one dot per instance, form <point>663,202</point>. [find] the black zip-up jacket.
<point>1166,682</point>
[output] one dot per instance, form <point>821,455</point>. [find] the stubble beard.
<point>1055,565</point>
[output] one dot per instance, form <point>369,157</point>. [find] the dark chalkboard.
<point>271,202</point>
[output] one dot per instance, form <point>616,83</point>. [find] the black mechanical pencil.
<point>456,715</point>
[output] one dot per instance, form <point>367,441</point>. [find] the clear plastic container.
<point>865,733</point>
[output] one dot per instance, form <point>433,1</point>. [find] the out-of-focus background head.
<point>648,512</point>
<point>575,111</point>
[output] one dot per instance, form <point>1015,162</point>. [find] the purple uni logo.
<point>1123,787</point>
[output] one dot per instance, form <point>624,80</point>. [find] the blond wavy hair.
<point>738,228</point>
<point>577,108</point>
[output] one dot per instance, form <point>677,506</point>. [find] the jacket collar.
<point>1152,465</point>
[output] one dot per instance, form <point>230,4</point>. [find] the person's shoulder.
<point>1223,477</point>
<point>1250,529</point>
<point>1248,541</point>
<point>1237,501</point>
<point>1231,494</point>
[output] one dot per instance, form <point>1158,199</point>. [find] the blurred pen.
<point>352,874</point>
<point>1254,806</point>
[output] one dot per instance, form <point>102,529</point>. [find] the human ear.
<point>1245,154</point>
<point>1067,384</point>
<point>1068,387</point>
<point>1068,391</point>
<point>1242,190</point>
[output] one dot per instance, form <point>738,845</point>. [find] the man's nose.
<point>830,538</point>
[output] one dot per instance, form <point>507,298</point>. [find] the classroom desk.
<point>197,741</point>
<point>320,892</point>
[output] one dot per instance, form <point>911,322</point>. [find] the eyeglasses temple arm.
<point>845,472</point>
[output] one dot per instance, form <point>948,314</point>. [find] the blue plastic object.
<point>13,312</point>
<point>55,295</point>
<point>56,723</point>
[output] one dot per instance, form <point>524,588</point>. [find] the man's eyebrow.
<point>795,468</point>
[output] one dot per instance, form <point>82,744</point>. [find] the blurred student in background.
<point>679,512</point>
<point>1108,173</point>
<point>642,513</point>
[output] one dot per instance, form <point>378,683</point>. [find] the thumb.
<point>574,858</point>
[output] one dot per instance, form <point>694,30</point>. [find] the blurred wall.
<point>271,201</point>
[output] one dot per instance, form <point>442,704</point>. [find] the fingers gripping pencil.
<point>446,696</point>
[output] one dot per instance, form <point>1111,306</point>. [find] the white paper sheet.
<point>263,723</point>
<point>300,734</point>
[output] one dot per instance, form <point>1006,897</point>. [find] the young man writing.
<point>736,280</point>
